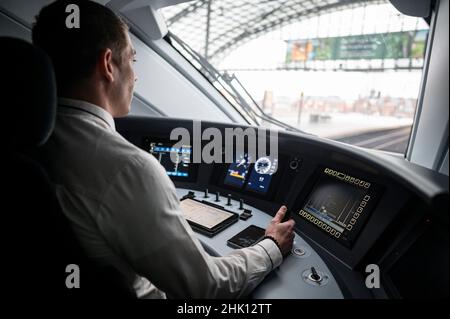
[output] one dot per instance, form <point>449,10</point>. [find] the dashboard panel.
<point>292,279</point>
<point>352,207</point>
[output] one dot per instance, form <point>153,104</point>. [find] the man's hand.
<point>282,232</point>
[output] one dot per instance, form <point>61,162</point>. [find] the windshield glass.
<point>344,70</point>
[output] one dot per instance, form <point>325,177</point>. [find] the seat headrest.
<point>28,94</point>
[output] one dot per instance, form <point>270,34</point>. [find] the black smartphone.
<point>246,238</point>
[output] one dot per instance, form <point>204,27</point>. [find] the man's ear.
<point>105,65</point>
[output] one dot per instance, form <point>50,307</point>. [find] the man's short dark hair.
<point>75,51</point>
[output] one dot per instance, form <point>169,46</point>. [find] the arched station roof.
<point>213,28</point>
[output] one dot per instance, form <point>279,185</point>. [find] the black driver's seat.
<point>38,242</point>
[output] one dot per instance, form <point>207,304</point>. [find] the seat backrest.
<point>39,243</point>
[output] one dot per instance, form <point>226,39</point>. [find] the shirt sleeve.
<point>140,218</point>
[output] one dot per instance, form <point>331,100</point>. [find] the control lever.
<point>206,193</point>
<point>190,194</point>
<point>229,200</point>
<point>217,197</point>
<point>241,204</point>
<point>314,275</point>
<point>287,216</point>
<point>246,214</point>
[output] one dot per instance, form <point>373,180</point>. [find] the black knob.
<point>229,200</point>
<point>314,275</point>
<point>217,197</point>
<point>241,204</point>
<point>293,165</point>
<point>206,193</point>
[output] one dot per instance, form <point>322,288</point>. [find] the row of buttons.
<point>246,213</point>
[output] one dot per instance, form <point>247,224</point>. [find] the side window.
<point>156,78</point>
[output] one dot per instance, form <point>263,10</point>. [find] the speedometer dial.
<point>263,165</point>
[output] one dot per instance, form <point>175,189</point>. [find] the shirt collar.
<point>90,108</point>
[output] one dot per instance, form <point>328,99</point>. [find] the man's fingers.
<point>280,214</point>
<point>289,225</point>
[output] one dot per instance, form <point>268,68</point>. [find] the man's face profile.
<point>124,80</point>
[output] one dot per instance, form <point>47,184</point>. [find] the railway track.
<point>392,140</point>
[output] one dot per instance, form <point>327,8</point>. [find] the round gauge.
<point>263,165</point>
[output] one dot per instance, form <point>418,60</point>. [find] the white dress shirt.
<point>125,211</point>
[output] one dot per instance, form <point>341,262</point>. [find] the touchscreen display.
<point>339,204</point>
<point>237,172</point>
<point>180,167</point>
<point>254,176</point>
<point>261,174</point>
<point>202,214</point>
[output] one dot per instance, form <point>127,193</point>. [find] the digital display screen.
<point>237,172</point>
<point>261,174</point>
<point>339,204</point>
<point>254,177</point>
<point>180,167</point>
